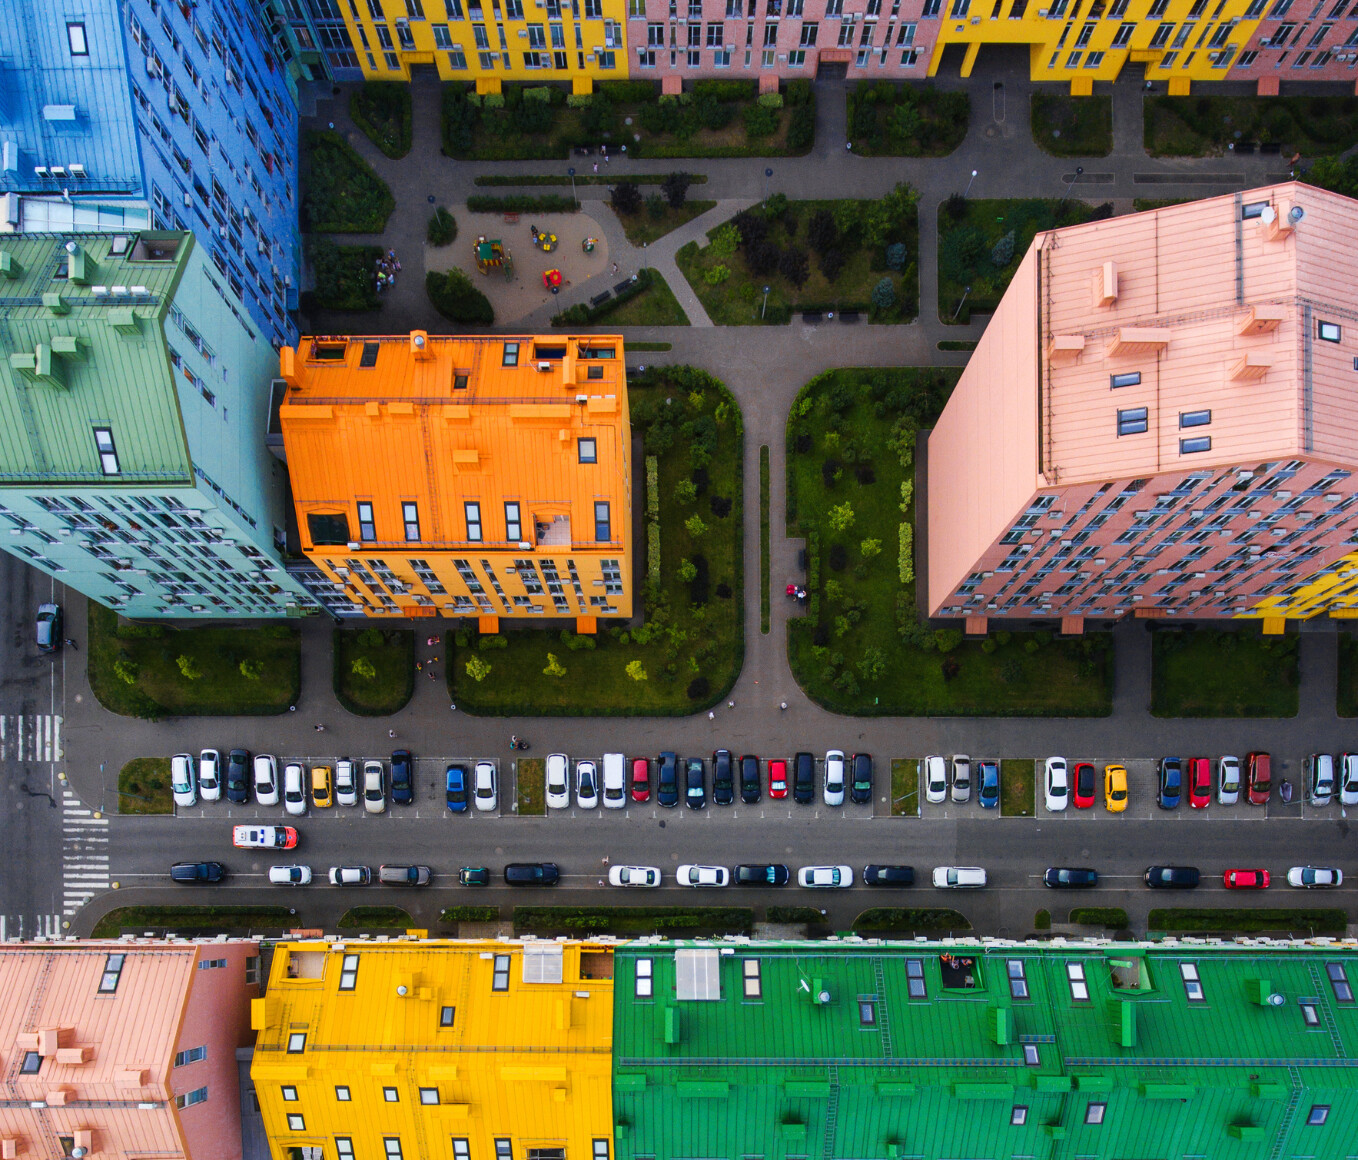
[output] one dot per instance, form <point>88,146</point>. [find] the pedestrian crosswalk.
<point>84,853</point>
<point>30,737</point>
<point>23,927</point>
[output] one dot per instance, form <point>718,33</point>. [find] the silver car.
<point>1228,780</point>
<point>210,775</point>
<point>935,779</point>
<point>1318,777</point>
<point>961,777</point>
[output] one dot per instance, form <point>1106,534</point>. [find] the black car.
<point>860,779</point>
<point>875,875</point>
<point>532,874</point>
<point>749,779</point>
<point>1172,877</point>
<point>723,775</point>
<point>1060,876</point>
<point>197,872</point>
<point>667,782</point>
<point>695,783</point>
<point>402,778</point>
<point>762,874</point>
<point>803,778</point>
<point>238,776</point>
<point>473,876</point>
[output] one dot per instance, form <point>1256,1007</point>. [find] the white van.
<point>615,781</point>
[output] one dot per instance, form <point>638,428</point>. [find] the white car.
<point>1314,877</point>
<point>1057,783</point>
<point>210,775</point>
<point>615,781</point>
<point>586,785</point>
<point>834,777</point>
<point>266,779</point>
<point>1228,780</point>
<point>374,787</point>
<point>483,786</point>
<point>634,876</point>
<point>558,781</point>
<point>1348,779</point>
<point>702,876</point>
<point>294,789</point>
<point>181,780</point>
<point>961,777</point>
<point>346,783</point>
<point>959,877</point>
<point>825,876</point>
<point>350,876</point>
<point>290,875</point>
<point>935,779</point>
<point>1318,778</point>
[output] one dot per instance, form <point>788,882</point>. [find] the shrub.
<point>771,100</point>
<point>675,188</point>
<point>636,670</point>
<point>625,198</point>
<point>794,266</point>
<point>492,641</point>
<point>698,688</point>
<point>686,491</point>
<point>801,128</point>
<point>947,639</point>
<point>453,295</point>
<point>493,100</point>
<point>554,667</point>
<point>799,92</point>
<point>724,241</point>
<point>905,559</point>
<point>870,548</point>
<point>1003,250</point>
<point>442,229</point>
<point>629,92</point>
<point>382,110</point>
<point>477,669</point>
<point>760,120</point>
<point>896,256</point>
<point>724,90</point>
<point>655,207</point>
<point>884,295</point>
<point>579,100</point>
<point>361,667</point>
<point>126,670</point>
<point>345,276</point>
<point>522,203</point>
<point>541,93</point>
<point>841,517</point>
<point>188,667</point>
<point>717,275</point>
<point>956,207</point>
<point>695,526</point>
<point>687,570</point>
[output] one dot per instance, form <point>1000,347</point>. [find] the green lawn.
<point>1018,787</point>
<point>1112,917</point>
<point>1205,672</point>
<point>1201,126</point>
<point>152,655</point>
<point>382,110</point>
<point>375,917</point>
<point>144,786</point>
<point>345,276</point>
<point>861,649</point>
<point>200,920</point>
<point>983,246</point>
<point>904,120</point>
<point>341,193</point>
<point>654,306</point>
<point>1067,126</point>
<point>374,669</point>
<point>576,920</point>
<point>454,914</point>
<point>764,540</point>
<point>845,246</point>
<point>644,227</point>
<point>530,786</point>
<point>794,915</point>
<point>911,919</point>
<point>1346,699</point>
<point>1325,920</point>
<point>905,787</point>
<point>691,644</point>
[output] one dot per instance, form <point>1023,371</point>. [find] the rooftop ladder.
<point>832,1112</point>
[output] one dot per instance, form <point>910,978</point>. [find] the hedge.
<point>453,295</point>
<point>545,203</point>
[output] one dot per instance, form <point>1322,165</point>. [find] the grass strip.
<point>792,915</point>
<point>453,914</point>
<point>634,919</point>
<point>1346,692</point>
<point>1227,920</point>
<point>365,917</point>
<point>199,919</point>
<point>1018,787</point>
<point>905,787</point>
<point>530,787</point>
<point>1112,917</point>
<point>649,346</point>
<point>956,344</point>
<point>1067,126</point>
<point>919,919</point>
<point>579,179</point>
<point>646,301</point>
<point>764,540</point>
<point>548,203</point>
<point>144,786</point>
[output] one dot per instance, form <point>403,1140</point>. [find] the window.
<point>113,970</point>
<point>1123,36</point>
<point>194,1054</point>
<point>1133,421</point>
<point>504,1149</point>
<point>369,356</point>
<point>296,1042</point>
<point>513,525</point>
<point>1192,985</point>
<point>644,981</point>
<point>342,1093</point>
<point>367,529</point>
<point>867,1013</point>
<point>473,514</point>
<point>511,354</point>
<point>500,979</point>
<point>1075,976</point>
<point>429,1095</point>
<point>750,973</point>
<point>600,1149</point>
<point>1318,1114</point>
<point>603,528</point>
<point>1340,982</point>
<point>391,1146</point>
<point>1127,379</point>
<point>1328,331</point>
<point>914,978</point>
<point>108,453</point>
<point>410,516</point>
<point>391,1095</point>
<point>32,1063</point>
<point>1018,983</point>
<point>1018,1114</point>
<point>460,1149</point>
<point>344,1148</point>
<point>1199,443</point>
<point>446,1015</point>
<point>1030,1055</point>
<point>1161,35</point>
<point>327,529</point>
<point>295,1122</point>
<point>349,967</point>
<point>1194,418</point>
<point>588,450</point>
<point>809,30</point>
<point>1309,1015</point>
<point>75,40</point>
<point>1094,1113</point>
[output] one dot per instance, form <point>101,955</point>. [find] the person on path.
<point>391,732</point>
<point>711,716</point>
<point>782,704</point>
<point>596,167</point>
<point>320,728</point>
<point>71,641</point>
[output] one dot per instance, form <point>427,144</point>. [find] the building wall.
<point>1299,42</point>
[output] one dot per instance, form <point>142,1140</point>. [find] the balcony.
<point>556,534</point>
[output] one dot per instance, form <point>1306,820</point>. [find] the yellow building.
<point>481,476</point>
<point>489,41</point>
<point>437,1050</point>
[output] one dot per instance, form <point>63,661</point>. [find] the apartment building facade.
<point>463,476</point>
<point>131,114</point>
<point>132,398</point>
<point>1159,421</point>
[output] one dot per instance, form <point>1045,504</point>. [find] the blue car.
<point>989,796</point>
<point>1171,782</point>
<point>402,777</point>
<point>457,789</point>
<point>667,784</point>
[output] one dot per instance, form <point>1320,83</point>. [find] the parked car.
<point>723,777</point>
<point>1171,783</point>
<point>749,779</point>
<point>1245,880</point>
<point>804,778</point>
<point>988,779</point>
<point>558,781</point>
<point>961,777</point>
<point>1114,788</point>
<point>688,875</point>
<point>1070,876</point>
<point>483,786</point>
<point>935,779</point>
<point>830,876</point>
<point>761,874</point>
<point>1171,877</point>
<point>695,783</point>
<point>586,785</point>
<point>1056,783</point>
<point>860,779</point>
<point>290,875</point>
<point>1315,877</point>
<point>264,837</point>
<point>532,874</point>
<point>266,779</point>
<point>322,791</point>
<point>374,787</point>
<point>875,875</point>
<point>473,876</point>
<point>1199,783</point>
<point>182,781</point>
<point>1318,775</point>
<point>294,791</point>
<point>346,783</point>
<point>1228,780</point>
<point>615,781</point>
<point>350,876</point>
<point>634,876</point>
<point>237,776</point>
<point>641,779</point>
<point>1348,779</point>
<point>197,872</point>
<point>1260,767</point>
<point>959,877</point>
<point>1083,795</point>
<point>47,631</point>
<point>389,875</point>
<point>833,790</point>
<point>667,780</point>
<point>455,788</point>
<point>210,775</point>
<point>777,778</point>
<point>402,778</point>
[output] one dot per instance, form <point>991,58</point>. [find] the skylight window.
<point>914,978</point>
<point>1192,984</point>
<point>1309,1015</point>
<point>1031,1056</point>
<point>1079,987</point>
<point>1340,982</point>
<point>1018,983</point>
<point>644,981</point>
<point>750,970</point>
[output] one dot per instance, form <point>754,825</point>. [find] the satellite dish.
<point>1276,1000</point>
<point>1295,214</point>
<point>1269,215</point>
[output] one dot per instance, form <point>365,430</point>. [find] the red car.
<point>1199,783</point>
<point>1260,778</point>
<point>641,779</point>
<point>777,779</point>
<point>1084,785</point>
<point>1245,879</point>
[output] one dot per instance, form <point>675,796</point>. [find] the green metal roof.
<point>88,351</point>
<point>802,1069</point>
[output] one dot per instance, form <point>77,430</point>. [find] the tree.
<point>695,526</point>
<point>884,295</point>
<point>1003,250</point>
<point>762,257</point>
<point>793,266</point>
<point>126,670</point>
<point>675,188</point>
<point>252,670</point>
<point>687,570</point>
<point>686,491</point>
<point>896,256</point>
<point>870,548</point>
<point>821,233</point>
<point>831,263</point>
<point>625,198</point>
<point>363,668</point>
<point>189,667</point>
<point>904,122</point>
<point>454,296</point>
<point>636,671</point>
<point>841,517</point>
<point>477,669</point>
<point>554,667</point>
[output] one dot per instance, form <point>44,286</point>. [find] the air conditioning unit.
<point>40,171</point>
<point>188,200</point>
<point>153,69</point>
<point>58,171</point>
<point>582,399</point>
<point>353,547</point>
<point>9,203</point>
<point>75,169</point>
<point>544,366</point>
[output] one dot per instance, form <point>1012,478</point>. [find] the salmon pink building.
<point>124,1049</point>
<point>1161,419</point>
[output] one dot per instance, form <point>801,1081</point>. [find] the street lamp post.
<point>1079,169</point>
<point>973,178</point>
<point>958,311</point>
<point>571,171</point>
<point>765,307</point>
<point>767,174</point>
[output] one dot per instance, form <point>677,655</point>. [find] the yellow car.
<point>320,786</point>
<point>1114,788</point>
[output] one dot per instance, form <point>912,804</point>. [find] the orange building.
<point>472,476</point>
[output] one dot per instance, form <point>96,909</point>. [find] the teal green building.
<point>962,1050</point>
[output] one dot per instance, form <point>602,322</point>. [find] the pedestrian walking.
<point>601,881</point>
<point>71,641</point>
<point>782,704</point>
<point>605,859</point>
<point>711,716</point>
<point>391,732</point>
<point>320,728</point>
<point>615,267</point>
<point>596,167</point>
<point>730,704</point>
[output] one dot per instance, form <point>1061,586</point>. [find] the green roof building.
<point>133,402</point>
<point>966,1049</point>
